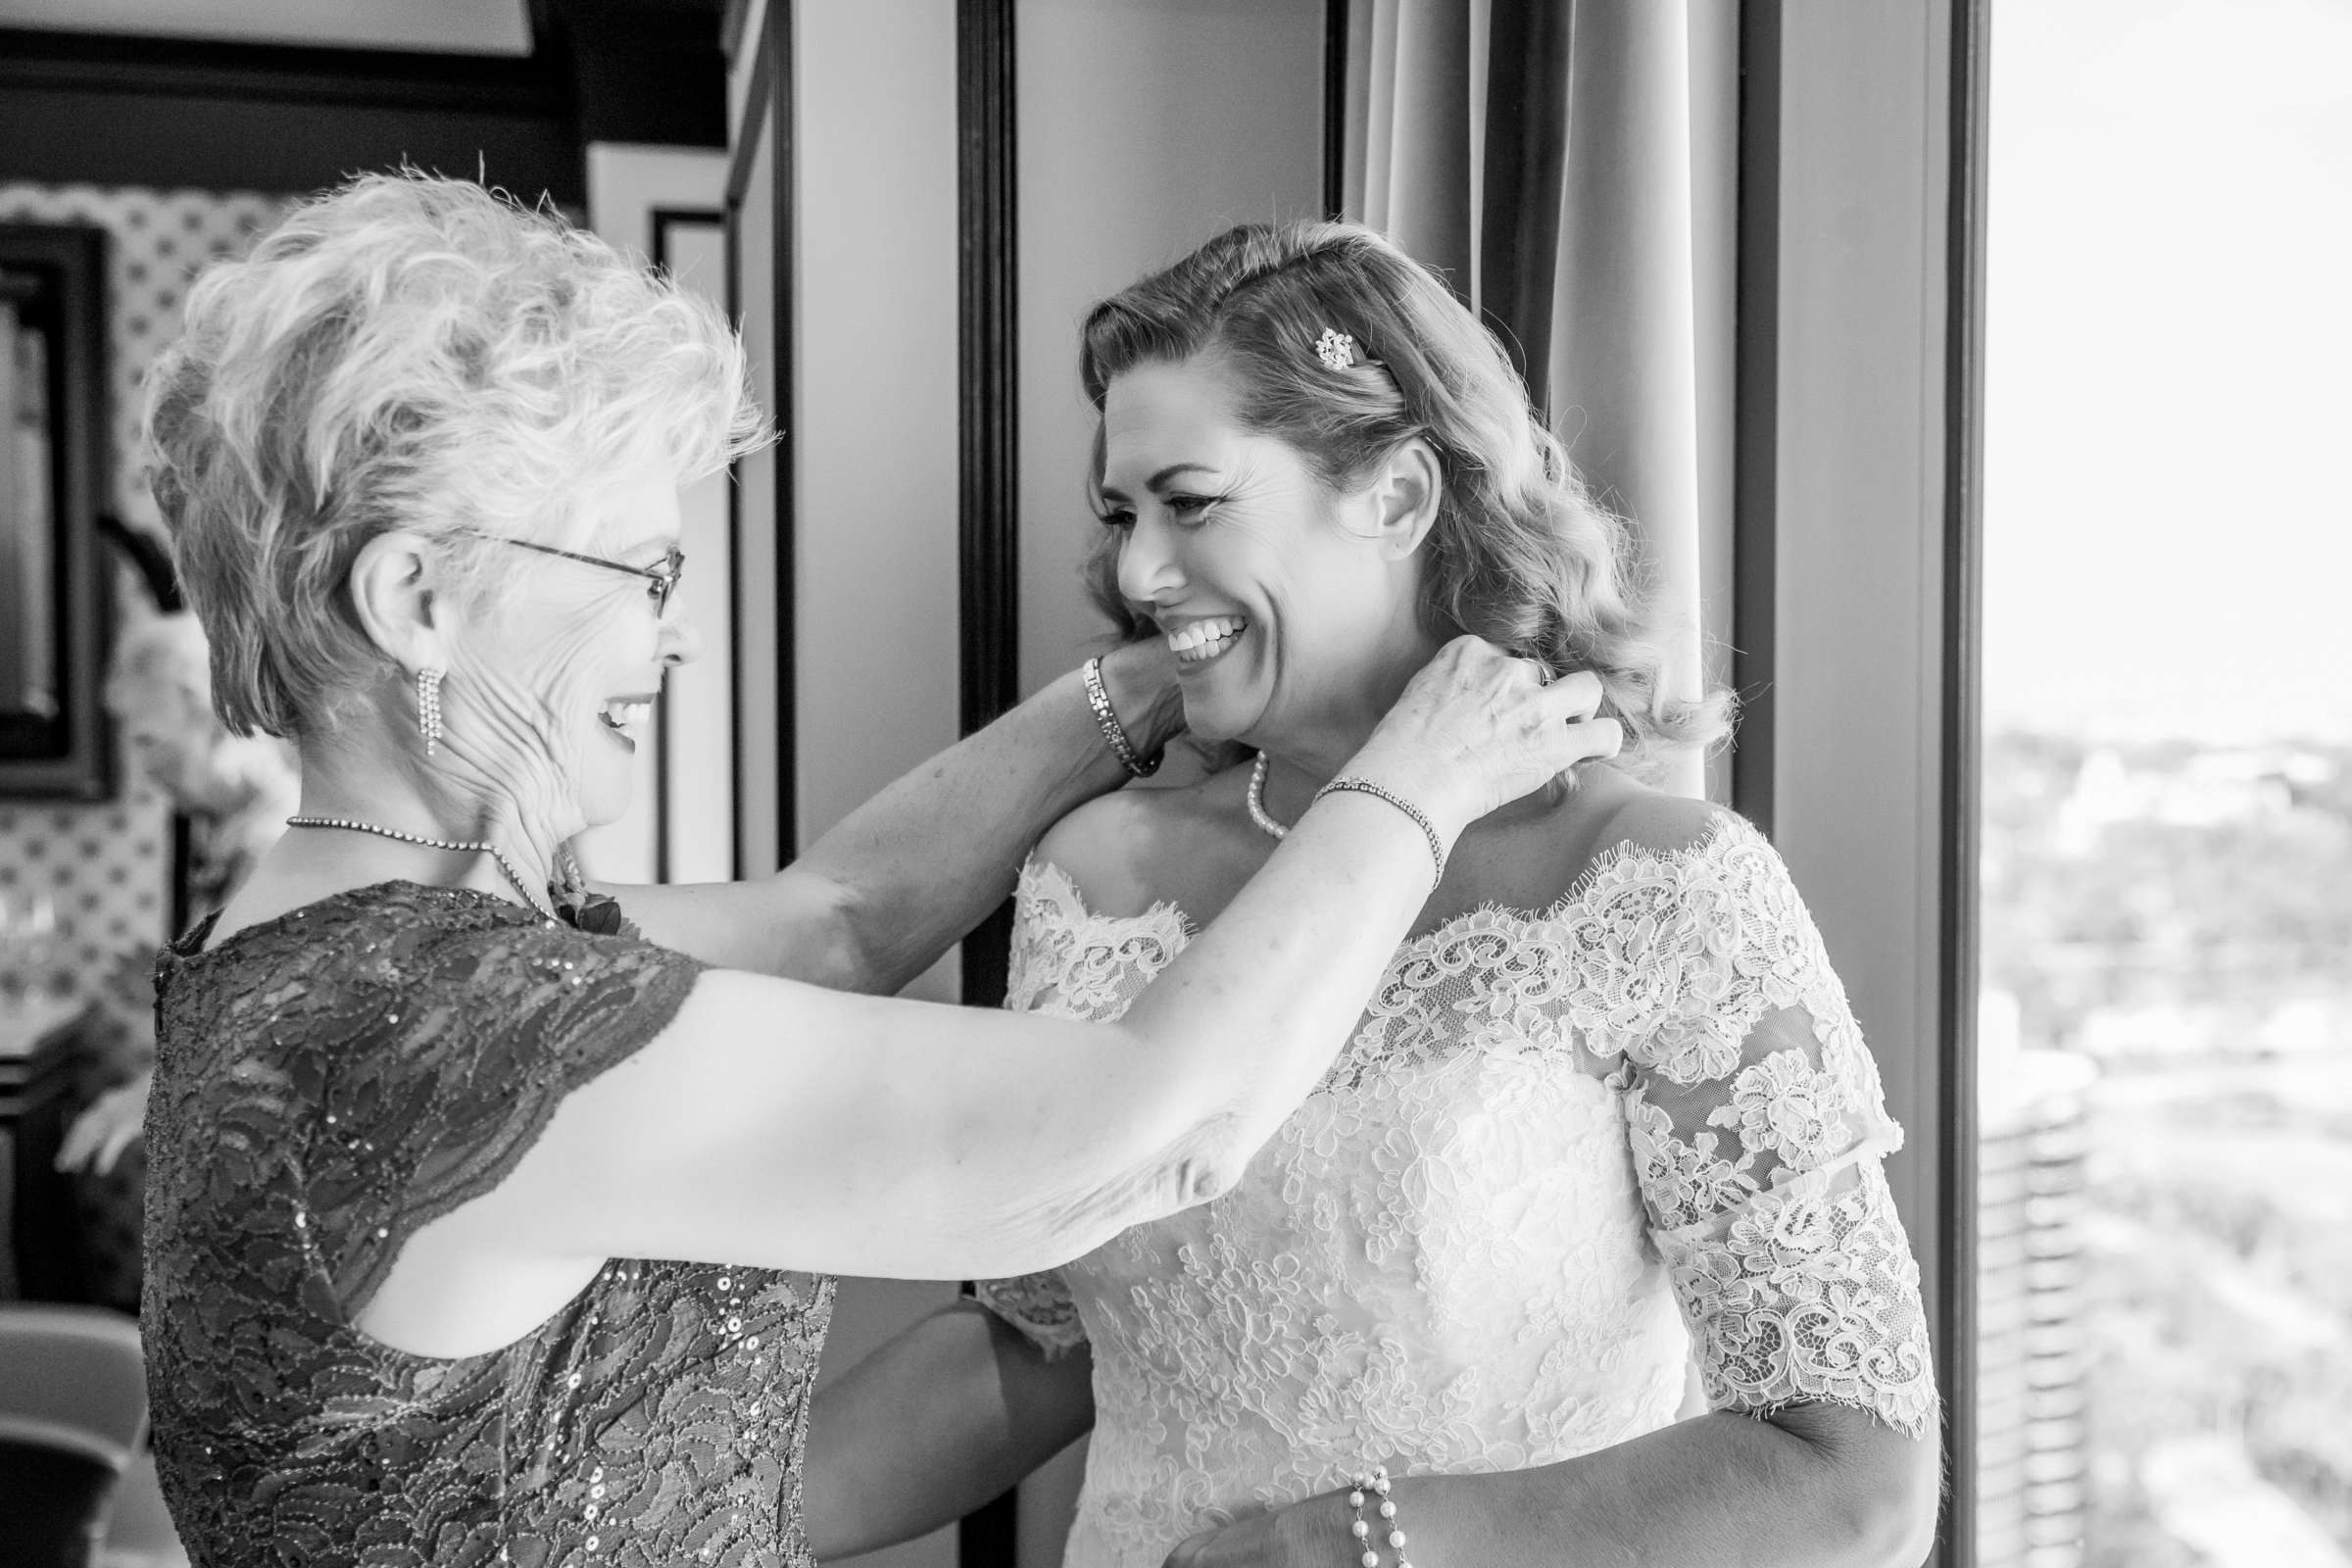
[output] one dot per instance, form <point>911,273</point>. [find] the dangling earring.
<point>428,708</point>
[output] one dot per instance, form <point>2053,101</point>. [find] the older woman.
<point>476,1234</point>
<point>1604,1107</point>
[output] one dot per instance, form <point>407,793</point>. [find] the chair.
<point>72,1412</point>
<point>55,1483</point>
<point>77,1232</point>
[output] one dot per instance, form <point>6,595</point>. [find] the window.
<point>2164,1355</point>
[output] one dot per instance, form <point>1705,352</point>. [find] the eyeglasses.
<point>663,578</point>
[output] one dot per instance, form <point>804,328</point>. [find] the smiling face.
<point>1286,606</point>
<point>561,675</point>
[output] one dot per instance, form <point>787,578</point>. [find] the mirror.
<point>54,737</point>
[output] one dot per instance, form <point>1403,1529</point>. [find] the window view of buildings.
<point>2165,1296</point>
<point>2166,1229</point>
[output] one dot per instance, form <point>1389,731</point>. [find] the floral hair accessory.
<point>1336,349</point>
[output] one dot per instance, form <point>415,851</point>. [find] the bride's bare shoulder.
<point>1641,818</point>
<point>1147,845</point>
<point>1531,857</point>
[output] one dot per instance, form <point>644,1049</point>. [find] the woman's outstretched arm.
<point>1813,1486</point>
<point>780,1124</point>
<point>876,901</point>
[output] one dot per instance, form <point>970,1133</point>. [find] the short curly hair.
<point>1521,552</point>
<point>410,352</point>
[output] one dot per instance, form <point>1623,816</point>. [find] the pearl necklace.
<point>505,865</point>
<point>1257,799</point>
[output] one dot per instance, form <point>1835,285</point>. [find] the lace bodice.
<point>1560,1150</point>
<point>327,1082</point>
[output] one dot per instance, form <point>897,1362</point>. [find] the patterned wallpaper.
<point>107,867</point>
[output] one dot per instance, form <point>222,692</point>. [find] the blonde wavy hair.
<point>408,352</point>
<point>1521,552</point>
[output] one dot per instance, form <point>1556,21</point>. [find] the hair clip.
<point>1336,349</point>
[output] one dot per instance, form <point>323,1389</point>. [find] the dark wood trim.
<point>735,522</point>
<point>1756,434</point>
<point>639,73</point>
<point>661,220</point>
<point>70,755</point>
<point>769,95</point>
<point>100,109</point>
<point>988,359</point>
<point>127,65</point>
<point>1963,757</point>
<point>755,120</point>
<point>1335,108</point>
<point>776,41</point>
<point>126,109</point>
<point>988,540</point>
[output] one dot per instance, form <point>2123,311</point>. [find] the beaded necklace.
<point>347,825</point>
<point>1256,800</point>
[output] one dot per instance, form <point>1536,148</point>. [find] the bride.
<point>1607,1108</point>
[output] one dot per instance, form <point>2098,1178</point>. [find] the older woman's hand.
<point>1475,729</point>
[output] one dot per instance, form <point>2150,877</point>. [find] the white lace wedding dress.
<point>1554,1142</point>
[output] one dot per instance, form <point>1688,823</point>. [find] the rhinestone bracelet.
<point>1099,701</point>
<point>1437,844</point>
<point>1377,1483</point>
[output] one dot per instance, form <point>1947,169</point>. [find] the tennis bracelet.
<point>1437,844</point>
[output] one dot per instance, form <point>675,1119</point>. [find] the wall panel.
<point>1145,129</point>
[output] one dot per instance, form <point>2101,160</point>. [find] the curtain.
<point>1550,156</point>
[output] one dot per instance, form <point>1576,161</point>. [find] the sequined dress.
<point>1561,1151</point>
<point>327,1082</point>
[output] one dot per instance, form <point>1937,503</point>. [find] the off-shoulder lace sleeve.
<point>1074,964</point>
<point>1758,1129</point>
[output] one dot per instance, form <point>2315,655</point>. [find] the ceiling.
<point>439,26</point>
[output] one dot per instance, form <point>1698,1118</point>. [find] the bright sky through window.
<point>2168,484</point>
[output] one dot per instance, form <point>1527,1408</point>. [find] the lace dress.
<point>330,1080</point>
<point>1559,1150</point>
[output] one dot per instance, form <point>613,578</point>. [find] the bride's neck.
<point>1310,749</point>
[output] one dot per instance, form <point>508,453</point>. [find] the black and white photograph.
<point>1175,783</point>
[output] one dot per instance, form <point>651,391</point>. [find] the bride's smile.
<point>1287,600</point>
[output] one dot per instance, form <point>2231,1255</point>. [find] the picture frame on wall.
<point>55,743</point>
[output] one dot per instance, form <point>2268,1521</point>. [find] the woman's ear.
<point>395,592</point>
<point>1406,494</point>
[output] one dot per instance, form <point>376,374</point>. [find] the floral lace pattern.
<point>1560,1150</point>
<point>327,1082</point>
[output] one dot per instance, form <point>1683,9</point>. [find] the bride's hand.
<point>1312,1533</point>
<point>1476,730</point>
